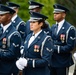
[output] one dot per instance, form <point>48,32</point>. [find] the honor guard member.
<point>74,55</point>
<point>10,41</point>
<point>63,35</point>
<point>16,20</point>
<point>36,7</point>
<point>75,46</point>
<point>37,48</point>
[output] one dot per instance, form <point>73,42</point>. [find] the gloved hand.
<point>21,51</point>
<point>74,55</point>
<point>23,62</point>
<point>20,67</point>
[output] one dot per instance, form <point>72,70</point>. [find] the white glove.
<point>23,62</point>
<point>74,55</point>
<point>20,67</point>
<point>21,51</point>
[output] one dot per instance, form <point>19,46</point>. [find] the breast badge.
<point>36,48</point>
<point>62,37</point>
<point>4,43</point>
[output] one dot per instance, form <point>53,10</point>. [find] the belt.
<point>3,50</point>
<point>32,58</point>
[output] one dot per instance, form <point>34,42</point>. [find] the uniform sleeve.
<point>14,49</point>
<point>47,29</point>
<point>21,29</point>
<point>75,37</point>
<point>70,42</point>
<point>46,53</point>
<point>51,30</point>
<point>27,28</point>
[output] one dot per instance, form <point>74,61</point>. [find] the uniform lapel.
<point>54,31</point>
<point>1,31</point>
<point>6,32</point>
<point>27,41</point>
<point>15,22</point>
<point>37,39</point>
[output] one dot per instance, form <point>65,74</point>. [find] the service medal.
<point>36,48</point>
<point>3,46</point>
<point>4,43</point>
<point>62,37</point>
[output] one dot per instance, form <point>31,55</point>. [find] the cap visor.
<point>3,12</point>
<point>13,7</point>
<point>32,20</point>
<point>58,11</point>
<point>32,7</point>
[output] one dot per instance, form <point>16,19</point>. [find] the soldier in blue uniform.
<point>36,7</point>
<point>18,23</point>
<point>10,41</point>
<point>75,56</point>
<point>37,48</point>
<point>63,35</point>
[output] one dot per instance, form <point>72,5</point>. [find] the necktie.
<point>1,30</point>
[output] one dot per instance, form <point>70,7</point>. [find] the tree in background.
<point>47,9</point>
<point>3,1</point>
<point>24,12</point>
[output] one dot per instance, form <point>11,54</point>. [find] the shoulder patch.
<point>17,33</point>
<point>49,39</point>
<point>14,33</point>
<point>23,23</point>
<point>15,45</point>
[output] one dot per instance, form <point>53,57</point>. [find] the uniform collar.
<point>35,35</point>
<point>60,23</point>
<point>5,27</point>
<point>14,17</point>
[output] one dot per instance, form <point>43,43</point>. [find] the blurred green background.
<point>47,9</point>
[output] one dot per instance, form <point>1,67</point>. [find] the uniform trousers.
<point>59,70</point>
<point>5,73</point>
